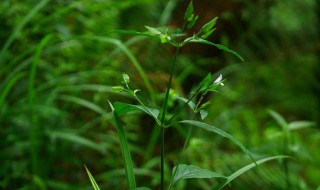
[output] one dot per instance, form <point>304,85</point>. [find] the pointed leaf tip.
<point>189,12</point>
<point>207,27</point>
<point>111,106</point>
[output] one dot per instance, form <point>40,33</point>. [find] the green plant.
<point>178,39</point>
<point>288,142</point>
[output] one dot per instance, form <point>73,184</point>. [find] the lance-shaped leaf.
<point>207,34</point>
<point>245,169</point>
<point>153,30</point>
<point>93,181</point>
<point>124,150</point>
<point>219,132</point>
<point>189,13</point>
<point>219,46</point>
<point>192,22</point>
<point>207,27</point>
<point>190,171</point>
<point>190,103</point>
<point>123,108</point>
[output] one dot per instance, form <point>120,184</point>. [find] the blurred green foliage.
<point>59,59</point>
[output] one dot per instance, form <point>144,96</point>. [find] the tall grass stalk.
<point>34,131</point>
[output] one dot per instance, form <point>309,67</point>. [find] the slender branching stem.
<point>164,109</point>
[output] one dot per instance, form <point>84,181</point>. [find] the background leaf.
<point>190,171</point>
<point>219,132</point>
<point>245,169</point>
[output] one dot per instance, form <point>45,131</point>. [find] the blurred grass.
<point>54,115</point>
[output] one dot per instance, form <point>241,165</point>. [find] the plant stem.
<point>164,110</point>
<point>285,161</point>
<point>162,158</point>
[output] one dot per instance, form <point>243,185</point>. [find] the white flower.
<point>218,80</point>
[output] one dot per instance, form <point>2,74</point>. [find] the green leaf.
<point>204,105</point>
<point>190,171</point>
<point>207,27</point>
<point>219,132</point>
<point>153,30</point>
<point>205,83</point>
<point>279,119</point>
<point>126,78</point>
<point>192,22</point>
<point>124,150</point>
<point>245,169</point>
<point>203,114</point>
<point>132,32</point>
<point>76,139</point>
<point>123,108</point>
<point>296,125</point>
<point>83,102</point>
<point>208,33</point>
<point>93,181</point>
<point>219,46</point>
<point>190,103</point>
<point>118,88</point>
<point>189,12</point>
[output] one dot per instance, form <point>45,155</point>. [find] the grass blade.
<point>124,150</point>
<point>219,132</point>
<point>132,58</point>
<point>245,169</point>
<point>123,108</point>
<point>8,87</point>
<point>189,171</point>
<point>75,138</point>
<point>21,25</point>
<point>93,181</point>
<point>82,102</point>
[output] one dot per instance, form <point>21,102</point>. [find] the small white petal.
<point>218,79</point>
<point>222,84</point>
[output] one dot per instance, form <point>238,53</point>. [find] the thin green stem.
<point>285,162</point>
<point>183,150</point>
<point>164,110</point>
<point>181,108</point>
<point>162,158</point>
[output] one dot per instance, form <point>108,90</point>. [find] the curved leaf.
<point>123,108</point>
<point>219,132</point>
<point>189,12</point>
<point>124,150</point>
<point>245,169</point>
<point>75,138</point>
<point>219,46</point>
<point>189,171</point>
